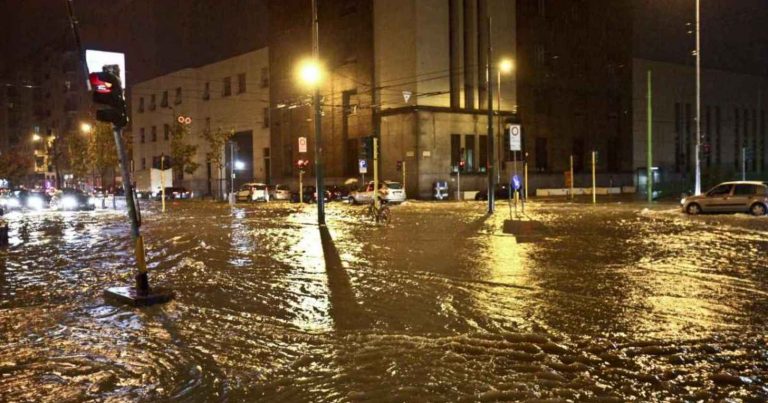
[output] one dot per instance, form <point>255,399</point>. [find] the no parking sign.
<point>515,138</point>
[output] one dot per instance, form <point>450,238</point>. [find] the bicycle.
<point>380,214</point>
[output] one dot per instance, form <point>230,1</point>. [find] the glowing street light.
<point>239,165</point>
<point>86,127</point>
<point>36,137</point>
<point>506,66</point>
<point>310,73</point>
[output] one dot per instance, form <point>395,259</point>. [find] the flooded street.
<point>607,303</point>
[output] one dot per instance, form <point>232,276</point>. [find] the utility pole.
<point>491,152</point>
<point>649,145</point>
<point>697,189</point>
<point>232,196</point>
<point>318,124</point>
<point>376,202</point>
<point>162,179</point>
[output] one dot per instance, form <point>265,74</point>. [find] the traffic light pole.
<point>141,293</point>
<point>318,123</point>
<point>491,152</point>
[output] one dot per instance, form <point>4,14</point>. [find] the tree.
<point>182,154</point>
<point>79,157</point>
<point>15,165</point>
<point>102,150</point>
<point>216,141</point>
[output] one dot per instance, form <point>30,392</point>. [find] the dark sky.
<point>734,33</point>
<point>158,36</point>
<point>164,35</point>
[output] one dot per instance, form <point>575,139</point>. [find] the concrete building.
<point>733,124</point>
<point>230,96</point>
<point>431,52</point>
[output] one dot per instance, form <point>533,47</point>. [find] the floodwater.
<point>608,303</point>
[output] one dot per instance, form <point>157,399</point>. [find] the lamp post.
<point>310,74</point>
<point>505,66</point>
<point>697,189</point>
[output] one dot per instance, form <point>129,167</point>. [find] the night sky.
<point>162,36</point>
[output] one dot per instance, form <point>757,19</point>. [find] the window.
<point>747,190</point>
<point>541,154</point>
<point>720,191</point>
<point>152,102</point>
<point>141,105</point>
<point>154,134</point>
<point>207,91</point>
<point>143,162</point>
<point>141,135</point>
<point>166,132</point>
<point>227,90</point>
<point>265,117</point>
<point>482,157</point>
<point>164,100</point>
<point>177,98</point>
<point>469,148</point>
<point>241,83</point>
<point>264,77</point>
<point>455,152</point>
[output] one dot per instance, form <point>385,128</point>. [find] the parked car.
<point>253,192</point>
<point>336,193</point>
<point>502,192</point>
<point>730,197</point>
<point>174,193</point>
<point>390,191</point>
<point>280,192</point>
<point>71,199</point>
<point>309,195</point>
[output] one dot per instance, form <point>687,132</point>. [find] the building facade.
<point>229,96</point>
<point>733,124</point>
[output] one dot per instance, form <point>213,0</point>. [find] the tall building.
<point>409,71</point>
<point>229,96</point>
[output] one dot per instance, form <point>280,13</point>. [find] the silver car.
<point>730,197</point>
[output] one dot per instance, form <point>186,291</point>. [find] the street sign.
<point>515,138</point>
<point>516,184</point>
<point>302,144</point>
<point>363,164</point>
<point>407,96</point>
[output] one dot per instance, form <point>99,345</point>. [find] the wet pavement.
<point>599,303</point>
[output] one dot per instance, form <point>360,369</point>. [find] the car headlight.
<point>13,203</point>
<point>92,201</point>
<point>68,202</point>
<point>35,203</point>
<point>682,201</point>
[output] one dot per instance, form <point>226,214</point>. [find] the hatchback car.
<point>253,192</point>
<point>280,192</point>
<point>730,197</point>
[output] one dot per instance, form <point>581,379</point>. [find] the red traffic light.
<point>100,83</point>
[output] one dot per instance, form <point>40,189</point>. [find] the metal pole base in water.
<point>131,296</point>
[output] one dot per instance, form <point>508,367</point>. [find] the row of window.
<point>153,134</point>
<point>226,91</point>
<point>749,137</point>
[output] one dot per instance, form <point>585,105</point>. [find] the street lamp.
<point>310,73</point>
<point>505,66</point>
<point>86,127</point>
<point>36,137</point>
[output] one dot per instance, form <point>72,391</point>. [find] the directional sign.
<point>302,144</point>
<point>515,138</point>
<point>363,164</point>
<point>516,183</point>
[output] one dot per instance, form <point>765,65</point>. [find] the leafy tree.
<point>102,150</point>
<point>79,157</point>
<point>216,141</point>
<point>182,154</point>
<point>15,165</point>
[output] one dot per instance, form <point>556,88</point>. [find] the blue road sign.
<point>516,183</point>
<point>363,164</point>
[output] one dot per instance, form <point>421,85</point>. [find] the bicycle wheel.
<point>384,215</point>
<point>370,212</point>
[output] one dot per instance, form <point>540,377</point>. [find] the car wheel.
<point>693,209</point>
<point>757,209</point>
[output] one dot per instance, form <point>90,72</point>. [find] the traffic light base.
<point>129,296</point>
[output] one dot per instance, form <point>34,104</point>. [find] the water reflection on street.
<point>615,302</point>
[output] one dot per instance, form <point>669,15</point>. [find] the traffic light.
<point>108,93</point>
<point>302,165</point>
<point>366,148</point>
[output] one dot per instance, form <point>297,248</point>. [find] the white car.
<point>280,192</point>
<point>253,192</point>
<point>391,192</point>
